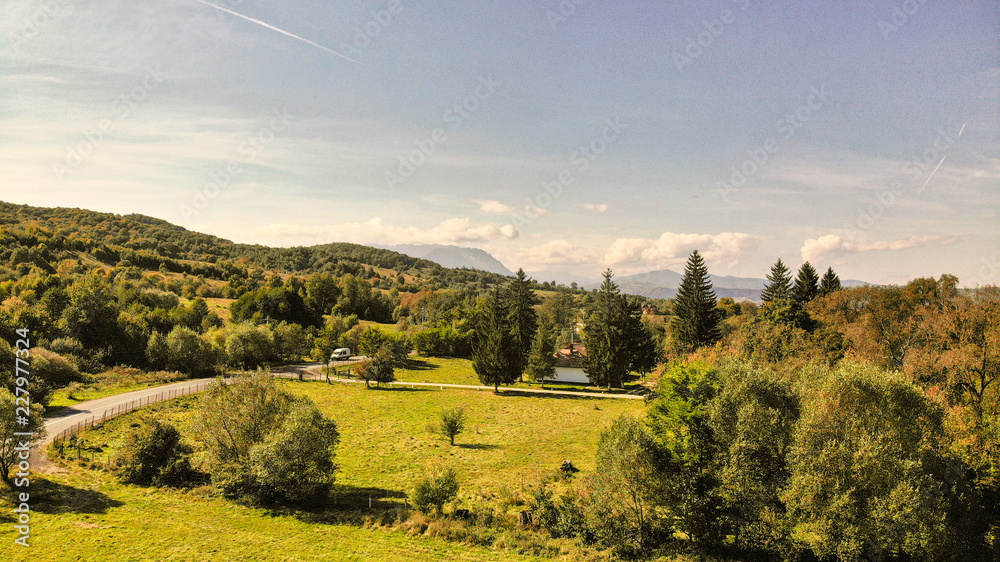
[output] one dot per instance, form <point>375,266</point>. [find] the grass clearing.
<point>449,370</point>
<point>510,440</point>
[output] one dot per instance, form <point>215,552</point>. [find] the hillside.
<point>47,236</point>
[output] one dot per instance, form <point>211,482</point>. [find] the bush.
<point>53,368</point>
<point>378,368</point>
<point>295,463</point>
<point>249,346</point>
<point>188,353</point>
<point>431,494</point>
<point>452,423</point>
<point>153,454</point>
<point>442,342</point>
<point>264,445</point>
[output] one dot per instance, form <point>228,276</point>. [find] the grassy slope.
<point>385,444</point>
<point>99,519</point>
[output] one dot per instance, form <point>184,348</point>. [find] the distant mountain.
<point>452,256</point>
<point>663,284</point>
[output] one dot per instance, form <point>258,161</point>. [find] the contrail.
<point>282,31</point>
<point>932,174</point>
<point>941,162</point>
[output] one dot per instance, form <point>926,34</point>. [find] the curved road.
<point>111,406</point>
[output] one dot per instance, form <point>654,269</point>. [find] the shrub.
<point>249,346</point>
<point>153,454</point>
<point>378,368</point>
<point>295,463</point>
<point>264,445</point>
<point>188,353</point>
<point>452,423</point>
<point>431,494</point>
<point>442,342</point>
<point>53,368</point>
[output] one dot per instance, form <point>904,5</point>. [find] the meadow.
<point>511,441</point>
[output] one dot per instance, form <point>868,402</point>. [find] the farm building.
<point>569,364</point>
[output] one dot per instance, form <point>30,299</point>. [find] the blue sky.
<point>559,136</point>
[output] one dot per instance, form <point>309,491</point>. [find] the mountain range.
<point>661,284</point>
<point>451,256</point>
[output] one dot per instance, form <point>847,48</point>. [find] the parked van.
<point>341,353</point>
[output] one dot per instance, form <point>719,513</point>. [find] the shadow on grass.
<point>403,388</point>
<point>419,365</point>
<point>54,498</point>
<point>352,505</point>
<point>540,395</point>
<point>481,446</point>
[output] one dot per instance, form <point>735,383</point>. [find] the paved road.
<point>110,406</point>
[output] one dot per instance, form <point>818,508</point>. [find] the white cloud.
<point>832,245</point>
<point>377,230</point>
<point>556,252</point>
<point>596,207</point>
<point>533,211</point>
<point>672,249</point>
<point>493,207</point>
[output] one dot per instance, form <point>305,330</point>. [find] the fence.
<point>129,406</point>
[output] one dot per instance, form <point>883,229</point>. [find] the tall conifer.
<point>780,286</point>
<point>696,320</point>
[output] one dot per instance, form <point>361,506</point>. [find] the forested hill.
<point>44,237</point>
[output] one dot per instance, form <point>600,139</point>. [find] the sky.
<point>560,136</point>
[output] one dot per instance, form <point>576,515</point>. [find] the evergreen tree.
<point>645,353</point>
<point>806,284</point>
<point>542,361</point>
<point>696,320</point>
<point>830,283</point>
<point>780,286</point>
<point>522,319</point>
<point>491,349</point>
<point>608,358</point>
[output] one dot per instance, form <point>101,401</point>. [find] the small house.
<point>569,364</point>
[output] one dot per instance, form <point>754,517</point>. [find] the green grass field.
<point>511,440</point>
<point>449,370</point>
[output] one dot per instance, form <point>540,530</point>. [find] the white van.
<point>341,353</point>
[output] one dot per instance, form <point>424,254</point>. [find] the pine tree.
<point>607,360</point>
<point>541,360</point>
<point>522,318</point>
<point>491,350</point>
<point>830,283</point>
<point>780,286</point>
<point>806,284</point>
<point>696,320</point>
<point>644,352</point>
